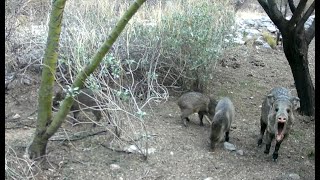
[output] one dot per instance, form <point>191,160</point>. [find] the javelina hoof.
<point>201,123</point>
<point>266,151</point>
<point>275,157</point>
<point>185,123</point>
<point>259,142</point>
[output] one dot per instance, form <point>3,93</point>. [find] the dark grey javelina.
<point>195,102</point>
<point>85,100</point>
<point>222,120</point>
<point>277,117</point>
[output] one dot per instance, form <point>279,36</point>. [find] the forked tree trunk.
<point>46,126</point>
<point>296,50</point>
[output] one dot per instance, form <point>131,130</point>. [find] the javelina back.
<point>277,117</point>
<point>195,102</point>
<point>222,120</point>
<point>84,100</point>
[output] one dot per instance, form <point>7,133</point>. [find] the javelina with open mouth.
<point>277,117</point>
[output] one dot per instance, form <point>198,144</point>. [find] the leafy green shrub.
<point>187,41</point>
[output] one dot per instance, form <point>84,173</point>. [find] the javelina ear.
<point>270,99</point>
<point>296,102</point>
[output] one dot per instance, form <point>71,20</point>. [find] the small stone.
<point>16,116</point>
<point>240,152</point>
<point>209,178</point>
<point>259,42</point>
<point>229,146</point>
<point>114,166</point>
<point>294,176</point>
<point>266,45</point>
<point>26,81</point>
<point>171,153</point>
<point>251,97</point>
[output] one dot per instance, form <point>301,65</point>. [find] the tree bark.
<point>295,48</point>
<point>39,143</point>
<point>46,127</point>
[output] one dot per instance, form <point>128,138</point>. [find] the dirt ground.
<point>245,74</point>
<point>183,153</point>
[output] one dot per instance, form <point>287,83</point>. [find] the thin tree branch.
<point>305,17</point>
<point>297,14</point>
<point>273,12</point>
<point>291,5</point>
<point>310,32</point>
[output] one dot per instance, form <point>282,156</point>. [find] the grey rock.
<point>266,45</point>
<point>238,41</point>
<point>294,176</point>
<point>229,146</point>
<point>272,28</point>
<point>114,166</point>
<point>250,22</point>
<point>259,41</point>
<point>240,152</point>
<point>209,178</point>
<point>252,31</point>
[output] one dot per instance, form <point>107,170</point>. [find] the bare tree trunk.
<point>296,50</point>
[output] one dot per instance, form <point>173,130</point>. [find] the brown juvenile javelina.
<point>84,100</point>
<point>277,117</point>
<point>222,120</point>
<point>195,102</point>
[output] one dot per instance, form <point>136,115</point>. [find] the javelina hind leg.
<point>184,116</point>
<point>201,117</point>
<point>262,130</point>
<point>269,138</point>
<point>98,116</point>
<point>276,149</point>
<point>227,136</point>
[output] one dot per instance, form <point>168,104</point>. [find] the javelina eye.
<point>277,109</point>
<point>288,110</point>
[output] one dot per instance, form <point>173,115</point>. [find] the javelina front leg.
<point>263,127</point>
<point>201,117</point>
<point>227,136</point>
<point>269,138</point>
<point>276,149</point>
<point>75,116</point>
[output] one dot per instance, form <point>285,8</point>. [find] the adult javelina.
<point>277,117</point>
<point>222,120</point>
<point>84,100</point>
<point>195,102</point>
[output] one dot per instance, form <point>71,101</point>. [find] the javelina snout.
<point>85,100</point>
<point>222,120</point>
<point>195,102</point>
<point>277,117</point>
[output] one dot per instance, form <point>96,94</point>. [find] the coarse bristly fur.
<point>195,102</point>
<point>225,114</point>
<point>277,116</point>
<point>85,100</point>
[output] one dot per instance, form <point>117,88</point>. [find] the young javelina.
<point>84,100</point>
<point>222,120</point>
<point>195,102</point>
<point>277,117</point>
